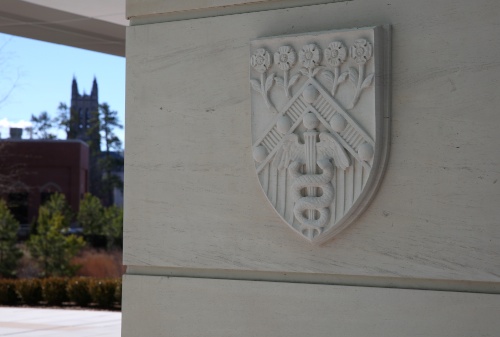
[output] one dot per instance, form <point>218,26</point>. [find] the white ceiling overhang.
<point>97,25</point>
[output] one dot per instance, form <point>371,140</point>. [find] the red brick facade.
<point>43,167</point>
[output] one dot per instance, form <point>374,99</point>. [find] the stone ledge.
<point>153,11</point>
<point>163,306</point>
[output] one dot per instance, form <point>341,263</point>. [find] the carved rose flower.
<point>361,51</point>
<point>335,54</point>
<point>285,57</point>
<point>260,60</point>
<point>309,56</point>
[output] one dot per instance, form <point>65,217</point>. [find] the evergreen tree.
<point>91,215</point>
<point>110,122</point>
<point>65,118</point>
<point>9,253</point>
<point>42,126</point>
<point>109,163</point>
<point>50,247</point>
<point>113,226</point>
<point>57,204</point>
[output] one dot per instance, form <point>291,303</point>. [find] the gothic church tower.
<point>84,119</point>
<point>84,125</point>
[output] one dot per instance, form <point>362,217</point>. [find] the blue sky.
<point>40,75</point>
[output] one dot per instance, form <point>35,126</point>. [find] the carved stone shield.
<point>320,125</point>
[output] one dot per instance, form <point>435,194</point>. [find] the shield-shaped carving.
<point>320,125</point>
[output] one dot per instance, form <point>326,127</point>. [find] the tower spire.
<point>94,91</point>
<point>74,88</point>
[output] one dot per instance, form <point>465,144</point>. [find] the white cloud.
<point>5,124</point>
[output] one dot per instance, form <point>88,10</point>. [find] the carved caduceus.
<point>312,154</point>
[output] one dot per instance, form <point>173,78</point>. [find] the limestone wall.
<point>194,207</point>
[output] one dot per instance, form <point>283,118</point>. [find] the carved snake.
<point>321,204</point>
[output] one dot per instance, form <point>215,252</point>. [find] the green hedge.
<point>56,291</point>
<point>8,295</point>
<point>29,291</point>
<point>103,292</point>
<point>118,292</point>
<point>78,291</point>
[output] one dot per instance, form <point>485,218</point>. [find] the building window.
<point>45,196</point>
<point>47,191</point>
<point>18,205</point>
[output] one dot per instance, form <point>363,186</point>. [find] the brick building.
<point>39,168</point>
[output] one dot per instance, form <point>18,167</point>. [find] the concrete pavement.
<point>35,322</point>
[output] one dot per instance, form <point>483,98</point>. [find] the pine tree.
<point>91,215</point>
<point>109,163</point>
<point>100,222</point>
<point>42,126</point>
<point>9,253</point>
<point>50,247</point>
<point>113,226</point>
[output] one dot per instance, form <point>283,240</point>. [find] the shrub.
<point>54,290</point>
<point>118,292</point>
<point>78,291</point>
<point>8,295</point>
<point>29,290</point>
<point>103,292</point>
<point>9,252</point>
<point>99,264</point>
<point>27,268</point>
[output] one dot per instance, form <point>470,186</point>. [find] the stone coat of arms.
<point>320,125</point>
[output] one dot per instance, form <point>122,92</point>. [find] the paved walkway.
<point>23,322</point>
